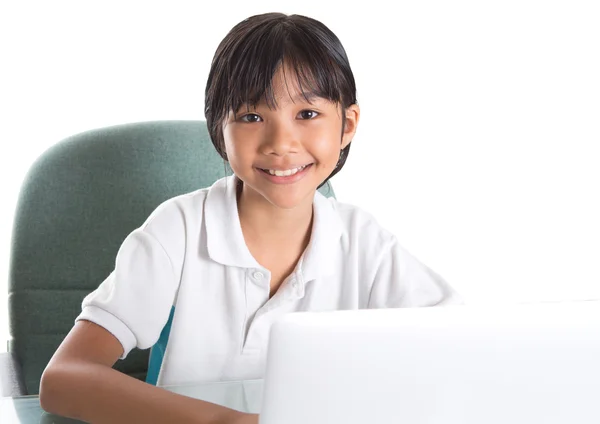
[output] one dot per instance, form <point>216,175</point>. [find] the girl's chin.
<point>281,197</point>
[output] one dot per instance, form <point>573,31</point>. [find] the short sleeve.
<point>134,302</point>
<point>401,281</point>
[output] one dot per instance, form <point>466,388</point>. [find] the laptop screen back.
<point>457,364</point>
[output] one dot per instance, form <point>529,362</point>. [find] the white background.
<point>477,147</point>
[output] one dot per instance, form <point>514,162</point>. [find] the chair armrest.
<point>11,378</point>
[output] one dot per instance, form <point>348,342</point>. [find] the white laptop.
<point>537,363</point>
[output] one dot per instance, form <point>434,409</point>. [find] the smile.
<point>285,176</point>
<point>285,173</point>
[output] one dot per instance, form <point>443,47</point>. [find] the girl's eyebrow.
<point>301,97</point>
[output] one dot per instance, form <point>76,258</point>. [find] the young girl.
<point>231,259</point>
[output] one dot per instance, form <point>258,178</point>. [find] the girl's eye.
<point>308,114</point>
<point>251,117</point>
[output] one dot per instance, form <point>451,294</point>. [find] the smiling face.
<point>283,152</point>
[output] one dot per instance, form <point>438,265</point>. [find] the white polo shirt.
<point>190,254</point>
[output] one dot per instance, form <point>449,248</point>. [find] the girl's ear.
<point>352,117</point>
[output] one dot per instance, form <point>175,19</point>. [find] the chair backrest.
<point>77,204</point>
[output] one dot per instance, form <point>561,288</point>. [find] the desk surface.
<point>245,396</point>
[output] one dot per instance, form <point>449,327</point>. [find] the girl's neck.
<point>262,222</point>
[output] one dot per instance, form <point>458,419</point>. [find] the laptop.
<point>534,363</point>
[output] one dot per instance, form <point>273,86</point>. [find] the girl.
<point>231,259</point>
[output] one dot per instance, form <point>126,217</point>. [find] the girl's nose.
<point>280,139</point>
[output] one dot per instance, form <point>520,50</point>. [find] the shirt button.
<point>257,275</point>
<point>294,284</point>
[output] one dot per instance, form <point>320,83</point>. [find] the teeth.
<point>286,173</point>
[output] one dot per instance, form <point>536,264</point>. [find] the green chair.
<point>78,202</point>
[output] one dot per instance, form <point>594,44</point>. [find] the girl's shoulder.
<point>359,224</point>
<point>184,208</point>
<point>185,213</point>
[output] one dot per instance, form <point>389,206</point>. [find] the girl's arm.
<point>402,281</point>
<point>79,382</point>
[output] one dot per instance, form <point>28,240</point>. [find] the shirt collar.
<point>320,256</point>
<point>225,240</point>
<point>226,244</point>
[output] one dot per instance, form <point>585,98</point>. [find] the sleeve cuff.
<point>112,324</point>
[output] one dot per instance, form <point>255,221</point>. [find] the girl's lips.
<point>285,179</point>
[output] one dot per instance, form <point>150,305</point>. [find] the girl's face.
<point>282,155</point>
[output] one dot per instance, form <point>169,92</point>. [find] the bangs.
<point>245,63</point>
<point>312,76</point>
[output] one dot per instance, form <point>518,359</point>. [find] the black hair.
<point>246,60</point>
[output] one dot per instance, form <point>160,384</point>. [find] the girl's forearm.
<point>98,394</point>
